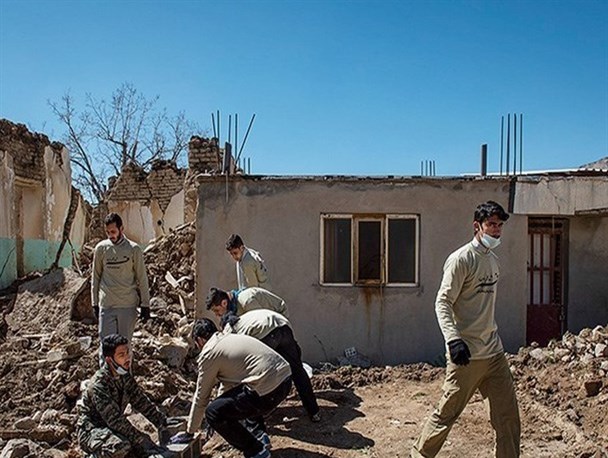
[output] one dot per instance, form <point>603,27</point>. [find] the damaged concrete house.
<point>42,216</point>
<point>359,259</point>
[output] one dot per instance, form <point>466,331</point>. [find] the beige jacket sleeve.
<point>141,277</point>
<point>207,379</point>
<point>454,275</point>
<point>96,275</point>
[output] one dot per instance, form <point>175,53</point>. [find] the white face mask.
<point>119,369</point>
<point>489,242</point>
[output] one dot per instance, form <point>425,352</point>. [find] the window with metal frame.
<point>369,249</point>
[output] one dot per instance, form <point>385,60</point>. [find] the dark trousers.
<point>282,341</point>
<point>240,403</point>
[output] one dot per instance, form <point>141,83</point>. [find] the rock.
<point>49,417</point>
<point>601,350</point>
<point>173,351</point>
<point>592,387</point>
<point>21,448</point>
<point>561,353</point>
<point>26,423</point>
<point>539,354</point>
<point>604,366</point>
<point>72,390</point>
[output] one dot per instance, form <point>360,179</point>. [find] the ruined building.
<point>42,216</point>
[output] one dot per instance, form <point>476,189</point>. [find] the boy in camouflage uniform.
<point>103,429</point>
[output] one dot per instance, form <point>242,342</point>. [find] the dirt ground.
<point>375,412</point>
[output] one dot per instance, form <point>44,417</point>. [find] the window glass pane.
<point>337,249</point>
<point>370,248</point>
<point>401,250</point>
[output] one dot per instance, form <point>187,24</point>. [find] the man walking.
<point>103,429</point>
<point>465,311</point>
<point>255,379</point>
<point>119,282</point>
<point>274,330</point>
<point>250,267</point>
<point>239,302</point>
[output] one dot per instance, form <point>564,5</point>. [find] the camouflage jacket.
<point>106,397</point>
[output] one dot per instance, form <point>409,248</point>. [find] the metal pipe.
<point>213,124</point>
<point>236,133</point>
<point>484,160</point>
<point>508,143</point>
<point>229,127</point>
<point>514,143</point>
<point>521,143</point>
<point>502,139</point>
<point>246,135</point>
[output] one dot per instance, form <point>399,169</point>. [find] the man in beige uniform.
<point>119,282</point>
<point>255,379</point>
<point>239,302</point>
<point>250,267</point>
<point>465,311</point>
<point>274,330</point>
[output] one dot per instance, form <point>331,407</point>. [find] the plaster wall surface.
<point>280,217</point>
<point>588,272</point>
<point>137,219</point>
<point>8,259</point>
<point>561,195</point>
<point>58,191</point>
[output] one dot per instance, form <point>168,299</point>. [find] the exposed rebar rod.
<point>502,140</point>
<point>245,138</point>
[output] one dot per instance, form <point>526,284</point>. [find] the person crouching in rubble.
<point>102,427</point>
<point>255,380</point>
<point>239,302</point>
<point>274,330</point>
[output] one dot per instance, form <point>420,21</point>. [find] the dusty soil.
<point>376,412</point>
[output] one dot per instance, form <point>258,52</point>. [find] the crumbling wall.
<point>8,260</point>
<point>36,195</point>
<point>149,203</point>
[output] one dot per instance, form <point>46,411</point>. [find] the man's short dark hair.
<point>113,218</point>
<point>204,329</point>
<point>215,297</point>
<point>234,241</point>
<point>489,209</point>
<point>110,343</point>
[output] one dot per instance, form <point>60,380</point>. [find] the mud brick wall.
<point>163,181</point>
<point>204,155</point>
<point>27,149</point>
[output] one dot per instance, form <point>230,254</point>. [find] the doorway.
<point>547,284</point>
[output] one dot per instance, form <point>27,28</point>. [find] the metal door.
<point>547,267</point>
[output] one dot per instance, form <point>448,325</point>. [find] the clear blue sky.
<point>338,87</point>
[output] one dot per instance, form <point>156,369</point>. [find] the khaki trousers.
<point>493,379</point>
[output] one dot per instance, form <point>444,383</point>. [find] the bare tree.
<point>108,134</point>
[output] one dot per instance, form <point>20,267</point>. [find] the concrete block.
<point>190,450</point>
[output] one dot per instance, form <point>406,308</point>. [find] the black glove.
<point>96,311</point>
<point>144,314</point>
<point>459,352</point>
<point>181,438</point>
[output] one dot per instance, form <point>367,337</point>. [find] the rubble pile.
<point>171,266</point>
<point>46,357</point>
<point>570,376</point>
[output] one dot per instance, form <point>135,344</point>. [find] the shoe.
<point>265,440</point>
<point>265,453</point>
<point>316,418</point>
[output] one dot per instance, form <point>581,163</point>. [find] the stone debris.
<point>47,357</point>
